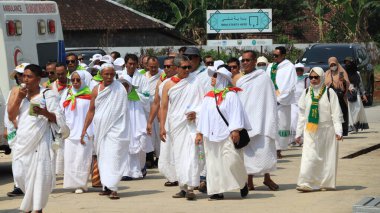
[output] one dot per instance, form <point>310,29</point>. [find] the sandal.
<point>271,185</point>
<point>106,191</point>
<point>175,183</point>
<point>114,196</point>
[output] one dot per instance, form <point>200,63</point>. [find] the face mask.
<point>348,67</point>
<point>300,77</point>
<point>261,67</point>
<point>334,68</point>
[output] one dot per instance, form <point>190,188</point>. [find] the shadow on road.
<point>344,188</point>
<point>139,193</point>
<point>9,211</point>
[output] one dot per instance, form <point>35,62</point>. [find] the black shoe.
<point>144,172</point>
<point>16,192</point>
<point>244,191</point>
<point>203,187</point>
<point>126,178</point>
<point>216,197</point>
<point>181,194</point>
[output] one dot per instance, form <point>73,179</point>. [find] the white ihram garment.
<point>286,79</point>
<point>32,160</point>
<point>77,156</point>
<point>320,149</point>
<point>184,97</point>
<point>166,161</point>
<point>225,164</point>
<point>259,101</point>
<point>155,137</point>
<point>111,133</point>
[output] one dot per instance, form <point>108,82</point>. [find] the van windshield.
<point>320,55</point>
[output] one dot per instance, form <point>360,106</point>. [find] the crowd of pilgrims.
<point>108,120</point>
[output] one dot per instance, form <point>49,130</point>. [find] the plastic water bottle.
<point>201,154</point>
<point>57,142</point>
<point>43,103</point>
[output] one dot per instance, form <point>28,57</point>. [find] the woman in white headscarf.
<point>75,102</point>
<point>224,163</point>
<point>320,123</point>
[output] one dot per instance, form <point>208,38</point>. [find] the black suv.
<point>317,55</point>
<point>86,53</point>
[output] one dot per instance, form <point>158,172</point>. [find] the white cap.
<point>19,69</point>
<point>107,59</point>
<point>119,62</point>
<point>222,71</point>
<point>300,65</point>
<point>106,65</point>
<point>262,59</point>
<point>96,57</point>
<point>217,63</point>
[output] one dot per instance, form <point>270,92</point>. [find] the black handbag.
<point>244,137</point>
<point>352,96</point>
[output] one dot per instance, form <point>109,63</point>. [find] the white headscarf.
<point>221,80</point>
<point>106,65</point>
<point>319,71</point>
<point>82,81</point>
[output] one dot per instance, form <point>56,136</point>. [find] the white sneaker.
<point>79,191</point>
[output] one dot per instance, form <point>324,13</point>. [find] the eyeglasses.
<point>186,67</point>
<point>215,75</point>
<point>276,56</point>
<point>167,66</point>
<point>70,61</point>
<point>209,63</point>
<point>313,77</point>
<point>245,60</point>
<point>75,80</point>
<point>233,67</point>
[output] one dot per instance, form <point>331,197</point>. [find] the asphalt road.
<point>357,178</point>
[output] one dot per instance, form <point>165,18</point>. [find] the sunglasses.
<point>51,73</point>
<point>75,80</point>
<point>167,66</point>
<point>233,67</point>
<point>245,60</point>
<point>70,61</point>
<point>209,63</point>
<point>276,56</point>
<point>313,77</point>
<point>80,59</point>
<point>186,67</point>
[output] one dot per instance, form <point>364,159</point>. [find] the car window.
<point>319,55</point>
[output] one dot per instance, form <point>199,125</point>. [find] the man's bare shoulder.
<point>169,84</point>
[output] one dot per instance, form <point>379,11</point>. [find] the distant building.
<point>106,23</point>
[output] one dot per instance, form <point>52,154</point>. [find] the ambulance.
<point>30,31</point>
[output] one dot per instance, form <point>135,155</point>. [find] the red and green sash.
<point>84,93</point>
<point>221,94</point>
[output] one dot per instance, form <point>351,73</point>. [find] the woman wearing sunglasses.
<point>320,123</point>
<point>225,164</point>
<point>75,102</point>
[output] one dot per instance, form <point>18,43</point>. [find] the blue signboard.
<point>239,21</point>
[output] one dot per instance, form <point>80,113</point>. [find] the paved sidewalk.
<point>357,178</point>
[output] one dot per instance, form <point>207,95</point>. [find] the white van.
<point>30,31</point>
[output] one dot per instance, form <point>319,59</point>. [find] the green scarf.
<point>273,73</point>
<point>313,119</point>
<point>142,71</point>
<point>98,77</point>
<point>48,83</point>
<point>133,96</point>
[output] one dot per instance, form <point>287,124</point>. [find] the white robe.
<point>155,137</point>
<point>225,164</point>
<point>111,133</point>
<point>320,149</point>
<point>32,161</point>
<point>203,77</point>
<point>2,114</point>
<point>77,157</point>
<point>184,97</point>
<point>301,85</point>
<point>166,162</point>
<point>357,117</point>
<point>259,101</point>
<point>286,79</point>
<point>59,155</point>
